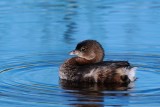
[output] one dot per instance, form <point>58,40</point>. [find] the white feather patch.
<point>129,72</point>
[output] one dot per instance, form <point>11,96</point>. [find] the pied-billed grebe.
<point>89,66</point>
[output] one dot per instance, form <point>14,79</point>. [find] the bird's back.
<point>107,72</point>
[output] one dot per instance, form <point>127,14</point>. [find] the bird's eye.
<point>83,49</point>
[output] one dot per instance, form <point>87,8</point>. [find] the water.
<point>36,36</point>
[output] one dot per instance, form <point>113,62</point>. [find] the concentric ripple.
<point>31,82</point>
<point>36,83</point>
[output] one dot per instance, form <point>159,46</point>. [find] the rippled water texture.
<point>36,36</point>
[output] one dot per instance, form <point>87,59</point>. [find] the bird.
<point>87,66</point>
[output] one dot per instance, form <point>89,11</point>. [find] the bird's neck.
<point>80,61</point>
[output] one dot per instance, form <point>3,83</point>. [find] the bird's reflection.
<point>91,95</point>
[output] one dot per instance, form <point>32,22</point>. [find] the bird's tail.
<point>128,73</point>
<point>131,73</point>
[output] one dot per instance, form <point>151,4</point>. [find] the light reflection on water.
<point>36,36</point>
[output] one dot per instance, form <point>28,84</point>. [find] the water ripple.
<point>37,82</point>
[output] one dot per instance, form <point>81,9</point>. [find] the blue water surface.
<point>36,36</point>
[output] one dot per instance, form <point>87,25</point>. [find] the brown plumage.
<point>89,66</point>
